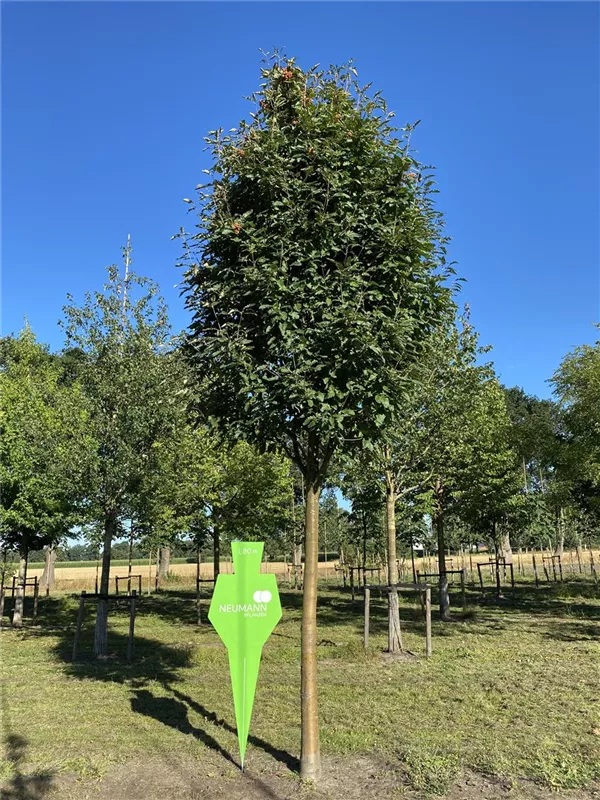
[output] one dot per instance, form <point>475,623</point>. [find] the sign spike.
<point>244,610</point>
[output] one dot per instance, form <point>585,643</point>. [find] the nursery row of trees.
<point>326,351</point>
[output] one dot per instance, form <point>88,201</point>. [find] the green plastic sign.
<point>244,610</point>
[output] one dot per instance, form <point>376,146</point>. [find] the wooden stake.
<point>79,623</point>
<point>131,625</point>
<point>578,558</point>
<point>36,590</point>
<point>428,621</point>
<point>535,572</point>
<point>367,614</point>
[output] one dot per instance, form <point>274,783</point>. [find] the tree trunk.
<point>165,561</point>
<point>444,595</point>
<point>506,548</point>
<point>198,585</point>
<point>310,758</point>
<point>364,544</point>
<point>394,632</point>
<point>2,588</point>
<point>216,553</point>
<point>101,630</point>
<point>18,612</point>
<point>297,566</point>
<point>47,577</point>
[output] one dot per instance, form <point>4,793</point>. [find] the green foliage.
<point>577,386</point>
<point>126,369</point>
<point>317,267</point>
<point>44,445</point>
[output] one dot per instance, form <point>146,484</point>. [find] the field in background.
<point>74,577</point>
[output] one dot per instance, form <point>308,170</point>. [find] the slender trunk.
<point>444,595</point>
<point>525,478</point>
<point>216,553</point>
<point>412,558</point>
<point>101,630</point>
<point>394,632</point>
<point>506,549</point>
<point>198,585</point>
<point>364,546</point>
<point>498,556</point>
<point>298,565</point>
<point>310,759</point>
<point>18,612</point>
<point>47,577</point>
<point>325,546</point>
<point>164,562</point>
<point>130,557</point>
<point>2,588</point>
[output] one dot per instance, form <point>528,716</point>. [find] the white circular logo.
<point>263,596</point>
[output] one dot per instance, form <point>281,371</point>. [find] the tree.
<point>490,491</point>
<point>316,270</point>
<point>577,386</point>
<point>455,426</point>
<point>127,377</point>
<point>536,435</point>
<point>43,452</point>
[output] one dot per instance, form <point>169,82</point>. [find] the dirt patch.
<point>344,778</point>
<point>395,658</point>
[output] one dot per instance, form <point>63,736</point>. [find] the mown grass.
<point>512,688</point>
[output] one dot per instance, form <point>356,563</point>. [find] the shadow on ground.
<point>173,711</point>
<point>20,786</point>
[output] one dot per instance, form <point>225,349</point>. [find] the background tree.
<point>577,386</point>
<point>313,276</point>
<point>453,424</point>
<point>124,335</point>
<point>43,452</point>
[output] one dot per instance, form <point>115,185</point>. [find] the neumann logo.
<point>256,609</point>
<point>262,596</point>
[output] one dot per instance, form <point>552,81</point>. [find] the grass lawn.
<point>509,701</point>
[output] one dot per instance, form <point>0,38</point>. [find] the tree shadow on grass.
<point>573,632</point>
<point>20,786</point>
<point>152,659</point>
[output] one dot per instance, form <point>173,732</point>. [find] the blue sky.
<point>104,106</point>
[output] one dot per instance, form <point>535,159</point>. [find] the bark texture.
<point>394,632</point>
<point>18,611</point>
<point>101,629</point>
<point>444,594</point>
<point>216,553</point>
<point>164,561</point>
<point>310,759</point>
<point>47,578</point>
